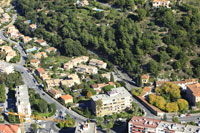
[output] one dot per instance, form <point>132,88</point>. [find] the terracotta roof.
<point>40,70</point>
<point>145,76</point>
<point>34,61</point>
<point>40,41</point>
<point>111,83</point>
<point>9,128</point>
<point>160,0</point>
<point>66,97</point>
<point>144,122</point>
<point>146,89</point>
<point>195,88</point>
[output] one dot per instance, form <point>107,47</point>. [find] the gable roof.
<point>195,88</point>
<point>66,97</point>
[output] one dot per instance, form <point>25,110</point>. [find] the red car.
<point>188,115</point>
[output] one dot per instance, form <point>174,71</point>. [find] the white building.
<point>161,3</point>
<point>22,100</point>
<point>116,100</point>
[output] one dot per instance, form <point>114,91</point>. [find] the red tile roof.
<point>40,70</point>
<point>145,76</point>
<point>66,97</point>
<point>9,128</point>
<point>111,83</point>
<point>144,122</point>
<point>195,88</point>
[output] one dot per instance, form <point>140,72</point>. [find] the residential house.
<point>146,91</point>
<point>193,93</point>
<point>10,128</point>
<point>181,84</point>
<point>82,3</point>
<point>26,39</point>
<point>86,127</point>
<point>12,32</point>
<point>145,78</point>
<point>114,101</point>
<point>86,69</point>
<point>51,83</point>
<point>98,87</point>
<point>67,83</point>
<point>112,83</point>
<point>39,55</point>
<point>75,78</point>
<point>22,100</point>
<point>35,62</point>
<point>66,99</point>
<point>161,3</point>
<point>98,63</point>
<point>42,42</point>
<point>55,93</point>
<point>42,74</point>
<point>48,50</point>
<point>74,62</point>
<point>33,26</point>
<point>106,75</point>
<point>1,10</point>
<point>10,53</point>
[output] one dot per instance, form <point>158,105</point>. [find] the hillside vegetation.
<point>161,41</point>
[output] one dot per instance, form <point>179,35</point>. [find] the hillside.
<point>162,42</point>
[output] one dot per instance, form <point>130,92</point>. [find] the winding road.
<point>29,78</point>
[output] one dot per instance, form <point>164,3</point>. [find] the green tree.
<point>175,119</point>
<point>172,107</point>
<point>89,94</point>
<point>141,13</point>
<point>182,104</point>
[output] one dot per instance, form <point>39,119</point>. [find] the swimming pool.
<point>31,50</point>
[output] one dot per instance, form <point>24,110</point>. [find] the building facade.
<point>116,100</point>
<point>148,125</point>
<point>193,93</point>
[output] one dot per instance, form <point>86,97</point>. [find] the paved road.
<point>29,79</point>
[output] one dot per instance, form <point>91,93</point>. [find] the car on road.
<point>43,93</point>
<point>188,115</point>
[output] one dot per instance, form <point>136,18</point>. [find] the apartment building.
<point>22,100</point>
<point>161,3</point>
<point>116,100</point>
<point>98,63</point>
<point>193,93</point>
<point>75,78</point>
<point>148,125</point>
<point>74,62</point>
<point>86,69</point>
